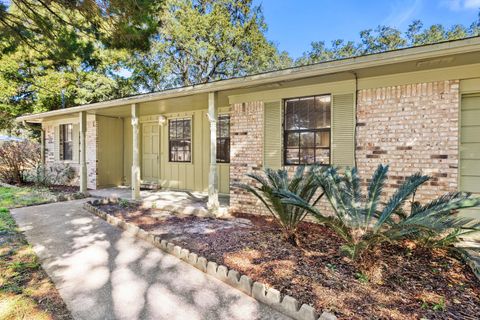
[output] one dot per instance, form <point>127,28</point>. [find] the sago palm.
<point>302,184</point>
<point>364,222</point>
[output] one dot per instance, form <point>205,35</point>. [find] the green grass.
<point>26,292</point>
<point>7,224</point>
<point>13,197</point>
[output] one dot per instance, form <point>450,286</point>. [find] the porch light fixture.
<point>162,120</point>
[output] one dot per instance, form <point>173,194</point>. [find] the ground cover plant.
<point>302,185</point>
<point>409,282</point>
<point>364,222</point>
<point>26,292</point>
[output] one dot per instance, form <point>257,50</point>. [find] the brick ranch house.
<point>417,109</point>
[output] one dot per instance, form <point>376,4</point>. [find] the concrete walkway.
<point>103,273</point>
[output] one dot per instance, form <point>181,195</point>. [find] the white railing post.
<point>136,153</point>
<point>83,151</point>
<point>213,204</point>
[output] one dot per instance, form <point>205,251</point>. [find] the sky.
<point>294,24</point>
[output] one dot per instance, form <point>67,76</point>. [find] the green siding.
<point>343,130</point>
<point>272,149</point>
<point>189,176</point>
<point>109,151</point>
<point>470,149</point>
<point>127,150</point>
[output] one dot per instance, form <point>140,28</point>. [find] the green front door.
<point>150,152</point>
<point>470,149</point>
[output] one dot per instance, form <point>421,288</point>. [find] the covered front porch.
<point>135,144</point>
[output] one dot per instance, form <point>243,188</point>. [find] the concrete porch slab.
<point>180,202</point>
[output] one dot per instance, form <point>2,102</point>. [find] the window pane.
<point>68,132</point>
<point>67,151</point>
<point>291,156</point>
<point>172,129</point>
<point>302,114</point>
<point>322,108</point>
<point>186,129</point>
<point>293,139</point>
<point>180,140</point>
<point>302,107</point>
<point>322,156</point>
<point>179,134</point>
<point>322,139</point>
<point>289,113</point>
<point>223,150</point>
<point>224,128</point>
<point>307,156</point>
<point>306,140</point>
<point>185,144</point>
<point>223,139</point>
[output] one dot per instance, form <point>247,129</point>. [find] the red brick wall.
<point>91,151</point>
<point>246,154</point>
<point>412,128</point>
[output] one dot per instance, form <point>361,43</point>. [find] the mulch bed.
<point>404,283</point>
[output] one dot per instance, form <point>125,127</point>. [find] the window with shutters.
<point>180,140</point>
<point>223,139</point>
<point>66,141</point>
<point>307,130</point>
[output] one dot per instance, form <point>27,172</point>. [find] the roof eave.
<point>325,68</point>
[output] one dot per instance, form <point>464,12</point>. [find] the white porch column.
<point>213,204</point>
<point>83,154</point>
<point>136,153</point>
<point>42,146</point>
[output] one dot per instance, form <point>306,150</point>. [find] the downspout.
<point>124,178</point>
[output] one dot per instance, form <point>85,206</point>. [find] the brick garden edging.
<point>259,291</point>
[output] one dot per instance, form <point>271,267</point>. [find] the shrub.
<point>124,203</point>
<point>50,174</point>
<point>302,184</point>
<point>16,158</point>
<point>360,221</point>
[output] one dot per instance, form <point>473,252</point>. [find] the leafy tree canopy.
<point>116,23</point>
<point>71,68</point>
<point>206,40</point>
<point>385,38</point>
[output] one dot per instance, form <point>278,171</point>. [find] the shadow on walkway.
<point>104,273</point>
